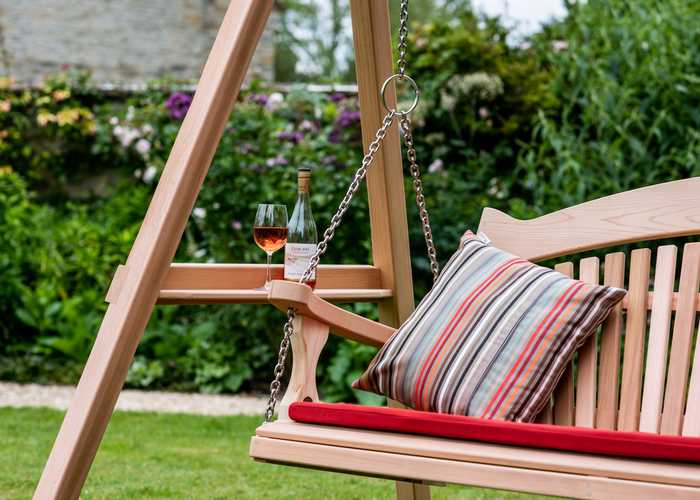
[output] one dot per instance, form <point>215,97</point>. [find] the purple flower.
<point>308,126</point>
<point>259,99</point>
<point>178,104</point>
<point>347,118</point>
<point>336,97</point>
<point>334,136</point>
<point>246,148</point>
<point>329,160</point>
<point>236,225</point>
<point>294,137</point>
<point>277,160</point>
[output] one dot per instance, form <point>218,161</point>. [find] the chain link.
<point>405,124</point>
<point>328,234</point>
<point>403,37</point>
<point>279,367</point>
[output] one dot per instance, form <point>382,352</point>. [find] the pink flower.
<point>559,45</point>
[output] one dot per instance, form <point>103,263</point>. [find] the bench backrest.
<point>641,371</point>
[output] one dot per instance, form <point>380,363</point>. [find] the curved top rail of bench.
<point>663,210</point>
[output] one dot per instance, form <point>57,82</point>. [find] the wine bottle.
<point>302,237</point>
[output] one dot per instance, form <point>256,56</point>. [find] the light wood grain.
<point>660,211</point>
<point>659,329</point>
<point>635,333</point>
<point>286,294</point>
<point>186,276</point>
<point>674,301</point>
<point>683,329</point>
<point>691,421</point>
<point>385,187</point>
<point>115,286</point>
<point>153,250</point>
<point>589,272</point>
<point>609,367</point>
<point>237,296</point>
<point>307,343</point>
<point>486,453</point>
<point>362,461</point>
<point>372,41</point>
<point>564,392</point>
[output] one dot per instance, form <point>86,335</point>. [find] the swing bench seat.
<point>637,379</point>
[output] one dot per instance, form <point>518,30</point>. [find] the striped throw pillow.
<point>491,339</point>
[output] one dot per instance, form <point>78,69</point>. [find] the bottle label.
<point>296,260</point>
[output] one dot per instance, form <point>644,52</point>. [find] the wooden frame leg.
<point>385,186</point>
<point>153,250</point>
<point>307,343</point>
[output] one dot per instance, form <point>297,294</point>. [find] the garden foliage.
<point>602,101</point>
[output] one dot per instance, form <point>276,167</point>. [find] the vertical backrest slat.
<point>635,332</point>
<point>691,421</point>
<point>659,328</point>
<point>589,269</point>
<point>564,392</point>
<point>609,369</point>
<point>681,343</point>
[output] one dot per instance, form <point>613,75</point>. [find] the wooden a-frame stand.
<point>149,277</point>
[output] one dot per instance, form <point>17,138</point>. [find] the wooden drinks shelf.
<point>241,284</point>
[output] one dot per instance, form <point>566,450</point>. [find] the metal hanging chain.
<point>405,124</point>
<point>328,234</point>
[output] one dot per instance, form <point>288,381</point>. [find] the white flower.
<point>645,46</point>
<point>147,129</point>
<point>137,173</point>
<point>200,253</point>
<point>149,174</point>
<point>114,120</point>
<point>130,112</point>
<point>421,43</point>
<point>436,166</point>
<point>216,205</point>
<point>126,135</point>
<point>274,101</point>
<point>559,45</point>
<point>143,146</point>
<point>199,212</point>
<point>525,46</point>
<point>447,101</point>
<point>307,126</point>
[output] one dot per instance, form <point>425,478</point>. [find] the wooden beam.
<point>249,276</point>
<point>385,182</point>
<point>371,29</point>
<point>155,245</point>
<point>396,465</point>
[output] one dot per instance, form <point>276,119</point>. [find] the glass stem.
<point>269,262</point>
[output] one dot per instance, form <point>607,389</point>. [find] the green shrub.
<point>627,75</point>
<point>600,102</point>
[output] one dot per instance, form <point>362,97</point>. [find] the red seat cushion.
<point>556,437</point>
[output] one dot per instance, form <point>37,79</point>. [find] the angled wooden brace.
<point>153,251</point>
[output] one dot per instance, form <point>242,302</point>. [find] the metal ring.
<point>411,82</point>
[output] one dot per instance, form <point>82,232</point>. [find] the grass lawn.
<point>151,455</point>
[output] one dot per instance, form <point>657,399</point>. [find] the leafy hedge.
<point>603,101</point>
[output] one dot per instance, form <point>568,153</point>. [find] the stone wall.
<point>121,41</point>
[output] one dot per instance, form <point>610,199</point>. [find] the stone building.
<point>123,42</point>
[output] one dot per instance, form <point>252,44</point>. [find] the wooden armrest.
<point>285,294</point>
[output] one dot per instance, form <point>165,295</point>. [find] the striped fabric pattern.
<point>491,339</point>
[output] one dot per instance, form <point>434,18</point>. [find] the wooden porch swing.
<point>659,393</point>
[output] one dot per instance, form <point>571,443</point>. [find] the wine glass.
<point>270,231</point>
